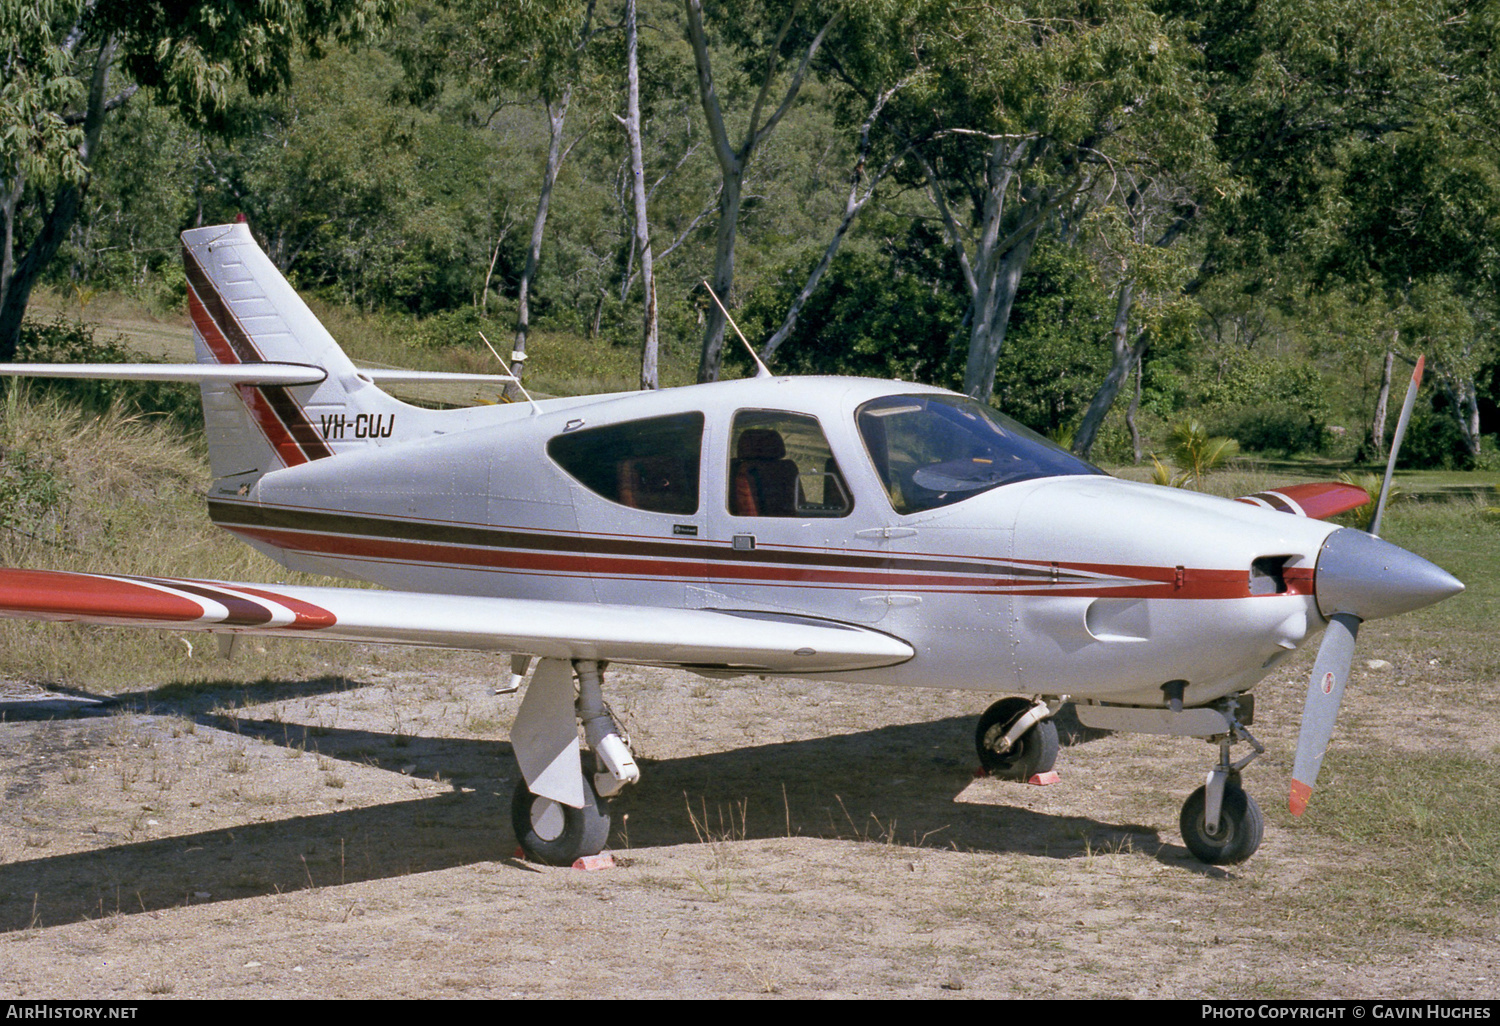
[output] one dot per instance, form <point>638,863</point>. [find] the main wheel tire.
<point>555,834</point>
<point>1240,827</point>
<point>1034,751</point>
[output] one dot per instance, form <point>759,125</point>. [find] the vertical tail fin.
<point>245,311</point>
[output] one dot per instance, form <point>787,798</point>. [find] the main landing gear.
<point>561,814</point>
<point>1016,739</point>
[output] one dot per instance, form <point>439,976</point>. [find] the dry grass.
<point>130,500</point>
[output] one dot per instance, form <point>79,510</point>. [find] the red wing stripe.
<point>58,595</point>
<point>97,598</point>
<point>242,611</point>
<point>309,616</point>
<point>1318,500</point>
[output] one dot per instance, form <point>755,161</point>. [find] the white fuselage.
<point>1083,585</point>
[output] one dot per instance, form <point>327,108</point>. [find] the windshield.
<point>933,450</point>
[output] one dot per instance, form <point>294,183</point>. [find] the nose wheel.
<point>1235,836</point>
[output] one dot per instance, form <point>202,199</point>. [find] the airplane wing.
<point>690,638</point>
<point>1319,501</point>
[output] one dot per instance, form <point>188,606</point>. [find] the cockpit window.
<point>933,450</point>
<point>644,464</point>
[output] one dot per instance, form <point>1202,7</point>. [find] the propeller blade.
<point>1390,463</point>
<point>1325,690</point>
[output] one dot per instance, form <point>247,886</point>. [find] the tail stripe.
<point>277,414</point>
<point>234,345</point>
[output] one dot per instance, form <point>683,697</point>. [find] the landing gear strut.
<point>559,812</point>
<point>1015,740</point>
<point>1221,824</point>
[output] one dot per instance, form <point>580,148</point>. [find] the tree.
<point>1033,111</point>
<point>496,51</point>
<point>632,122</point>
<point>734,159</point>
<point>1136,236</point>
<point>67,65</point>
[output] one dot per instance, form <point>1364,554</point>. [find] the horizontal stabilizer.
<point>396,376</point>
<point>690,638</point>
<point>1319,500</point>
<point>241,373</point>
<point>198,373</point>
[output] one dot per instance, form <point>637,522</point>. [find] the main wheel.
<point>1240,827</point>
<point>555,834</point>
<point>1034,751</point>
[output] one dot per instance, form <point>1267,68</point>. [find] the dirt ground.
<point>349,837</point>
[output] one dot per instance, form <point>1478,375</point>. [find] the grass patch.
<point>1427,826</point>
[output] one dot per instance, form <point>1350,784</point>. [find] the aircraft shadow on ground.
<point>894,784</point>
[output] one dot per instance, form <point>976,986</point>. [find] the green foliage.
<point>1433,442</point>
<point>36,142</point>
<point>1057,344</point>
<point>876,315</point>
<point>1270,405</point>
<point>459,328</point>
<point>1370,481</point>
<point>29,489</point>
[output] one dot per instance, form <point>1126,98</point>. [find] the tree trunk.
<point>712,357</point>
<point>649,339</point>
<point>852,206</point>
<point>734,161</point>
<point>1135,409</point>
<point>987,337</point>
<point>1382,401</point>
<point>1125,356</point>
<point>1008,234</point>
<point>18,278</point>
<point>484,293</point>
<point>557,112</point>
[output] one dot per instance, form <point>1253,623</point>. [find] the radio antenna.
<point>764,371</point>
<point>517,381</point>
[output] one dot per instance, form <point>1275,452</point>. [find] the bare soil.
<point>349,837</point>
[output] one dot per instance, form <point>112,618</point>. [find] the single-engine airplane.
<point>813,527</point>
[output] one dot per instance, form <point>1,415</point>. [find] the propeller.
<point>1359,577</point>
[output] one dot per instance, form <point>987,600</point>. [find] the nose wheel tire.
<point>1240,827</point>
<point>555,834</point>
<point>1033,752</point>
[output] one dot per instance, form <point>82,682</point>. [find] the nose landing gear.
<point>1221,824</point>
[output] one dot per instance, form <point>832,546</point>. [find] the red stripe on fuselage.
<point>1118,582</point>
